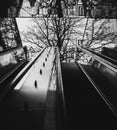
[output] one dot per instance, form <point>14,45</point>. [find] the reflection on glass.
<point>10,60</point>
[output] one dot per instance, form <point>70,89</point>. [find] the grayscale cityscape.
<point>58,64</point>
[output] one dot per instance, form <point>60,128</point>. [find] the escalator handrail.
<point>10,72</point>
<point>27,67</point>
<point>108,62</point>
<point>60,93</point>
<point>10,50</point>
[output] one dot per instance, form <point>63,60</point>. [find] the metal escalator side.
<point>106,68</point>
<point>61,117</point>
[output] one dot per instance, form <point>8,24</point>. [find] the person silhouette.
<point>41,71</point>
<point>43,64</point>
<point>35,83</point>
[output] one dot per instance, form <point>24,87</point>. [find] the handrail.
<point>4,53</point>
<point>15,81</point>
<point>10,50</point>
<point>60,101</point>
<point>108,62</point>
<point>10,73</point>
<point>27,67</point>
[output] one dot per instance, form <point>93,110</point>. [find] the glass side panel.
<point>9,61</point>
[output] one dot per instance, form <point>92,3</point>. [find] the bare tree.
<point>99,33</point>
<point>51,31</point>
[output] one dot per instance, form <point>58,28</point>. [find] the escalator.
<point>26,105</point>
<point>86,109</point>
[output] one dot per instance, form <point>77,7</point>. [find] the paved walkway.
<point>25,107</point>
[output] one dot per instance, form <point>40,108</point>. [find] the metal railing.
<point>108,62</point>
<point>10,57</point>
<point>61,119</point>
<point>10,50</point>
<point>18,77</point>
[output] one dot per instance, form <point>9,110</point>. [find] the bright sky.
<point>23,23</point>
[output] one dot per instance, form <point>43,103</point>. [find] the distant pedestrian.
<point>43,64</point>
<point>41,71</point>
<point>26,52</point>
<point>35,83</point>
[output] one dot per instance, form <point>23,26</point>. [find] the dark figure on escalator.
<point>35,83</point>
<point>43,64</point>
<point>40,71</point>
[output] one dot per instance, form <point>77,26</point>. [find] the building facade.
<point>75,10</point>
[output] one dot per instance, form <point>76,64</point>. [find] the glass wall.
<point>10,60</point>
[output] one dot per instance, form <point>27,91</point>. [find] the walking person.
<point>35,83</point>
